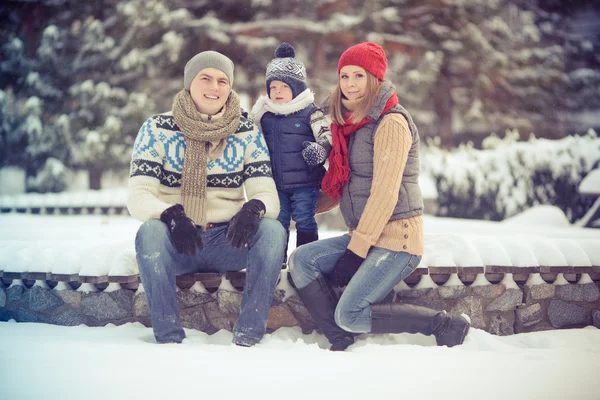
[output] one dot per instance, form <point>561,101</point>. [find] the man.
<point>189,170</point>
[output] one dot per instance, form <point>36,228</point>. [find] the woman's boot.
<point>398,318</point>
<point>320,300</point>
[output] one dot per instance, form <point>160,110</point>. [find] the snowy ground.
<point>52,362</point>
<point>39,361</point>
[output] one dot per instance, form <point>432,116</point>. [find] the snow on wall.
<point>104,245</point>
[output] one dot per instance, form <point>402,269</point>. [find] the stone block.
<point>195,318</point>
<point>530,315</point>
<point>502,324</point>
<point>488,291</point>
<point>140,305</point>
<point>471,306</point>
<point>20,315</point>
<point>539,327</point>
<point>6,315</point>
<point>15,293</point>
<point>585,292</point>
<point>229,302</point>
<point>596,318</point>
<point>217,319</point>
<point>562,314</point>
<point>70,297</point>
<point>423,294</point>
<point>68,318</point>
<point>190,298</point>
<point>107,307</point>
<point>543,291</point>
<point>278,296</point>
<point>40,299</point>
<point>280,316</point>
<point>508,301</point>
<point>452,292</point>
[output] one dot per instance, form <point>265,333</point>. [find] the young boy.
<point>299,140</point>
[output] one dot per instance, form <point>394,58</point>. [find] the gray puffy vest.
<point>360,149</point>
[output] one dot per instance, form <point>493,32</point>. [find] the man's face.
<point>210,90</point>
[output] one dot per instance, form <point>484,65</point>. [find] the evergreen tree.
<point>481,64</point>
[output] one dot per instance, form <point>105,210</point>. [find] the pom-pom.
<point>285,50</point>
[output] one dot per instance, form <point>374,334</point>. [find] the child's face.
<point>280,92</point>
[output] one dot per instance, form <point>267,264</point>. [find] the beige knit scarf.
<point>203,140</point>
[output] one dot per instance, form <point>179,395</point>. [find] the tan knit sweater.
<point>392,143</point>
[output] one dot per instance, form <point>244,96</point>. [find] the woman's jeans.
<point>159,263</point>
<point>299,205</point>
<point>381,271</point>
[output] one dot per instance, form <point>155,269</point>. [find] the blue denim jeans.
<point>159,263</point>
<point>299,205</point>
<point>378,274</point>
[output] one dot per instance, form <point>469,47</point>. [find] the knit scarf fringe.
<point>200,136</point>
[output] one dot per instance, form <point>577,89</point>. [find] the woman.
<point>373,172</point>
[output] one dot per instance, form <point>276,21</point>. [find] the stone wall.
<point>495,308</point>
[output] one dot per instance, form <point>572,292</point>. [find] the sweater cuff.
<point>359,244</point>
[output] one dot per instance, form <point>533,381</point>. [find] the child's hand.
<point>314,154</point>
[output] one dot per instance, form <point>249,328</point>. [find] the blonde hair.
<point>367,102</point>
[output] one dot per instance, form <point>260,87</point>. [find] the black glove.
<point>185,236</point>
<point>244,224</point>
<point>314,154</point>
<point>345,269</point>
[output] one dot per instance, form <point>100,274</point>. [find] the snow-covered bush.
<point>53,177</point>
<point>509,176</point>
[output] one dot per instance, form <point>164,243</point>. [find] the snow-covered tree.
<point>480,64</point>
<point>101,127</point>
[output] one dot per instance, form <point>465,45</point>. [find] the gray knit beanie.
<point>207,59</point>
<point>285,67</point>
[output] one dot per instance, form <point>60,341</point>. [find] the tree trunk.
<point>443,108</point>
<point>95,178</point>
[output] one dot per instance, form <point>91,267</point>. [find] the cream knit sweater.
<point>392,143</point>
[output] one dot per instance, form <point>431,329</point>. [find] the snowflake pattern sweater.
<point>157,165</point>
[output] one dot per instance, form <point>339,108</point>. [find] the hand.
<point>345,269</point>
<point>244,224</point>
<point>314,154</point>
<point>185,236</point>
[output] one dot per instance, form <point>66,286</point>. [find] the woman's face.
<point>353,81</point>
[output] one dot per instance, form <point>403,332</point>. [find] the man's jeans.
<point>378,274</point>
<point>299,205</point>
<point>159,264</point>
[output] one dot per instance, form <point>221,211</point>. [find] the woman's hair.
<point>367,102</point>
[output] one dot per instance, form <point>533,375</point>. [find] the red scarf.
<point>338,173</point>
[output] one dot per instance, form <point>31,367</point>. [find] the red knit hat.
<point>368,55</point>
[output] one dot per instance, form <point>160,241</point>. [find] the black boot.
<point>398,318</point>
<point>284,263</point>
<point>320,300</point>
<point>306,237</point>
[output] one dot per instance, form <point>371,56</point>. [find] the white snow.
<point>98,245</point>
<point>124,362</point>
<point>591,183</point>
<point>42,361</point>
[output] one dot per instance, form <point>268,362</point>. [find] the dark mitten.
<point>345,269</point>
<point>244,224</point>
<point>314,154</point>
<point>185,236</point>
